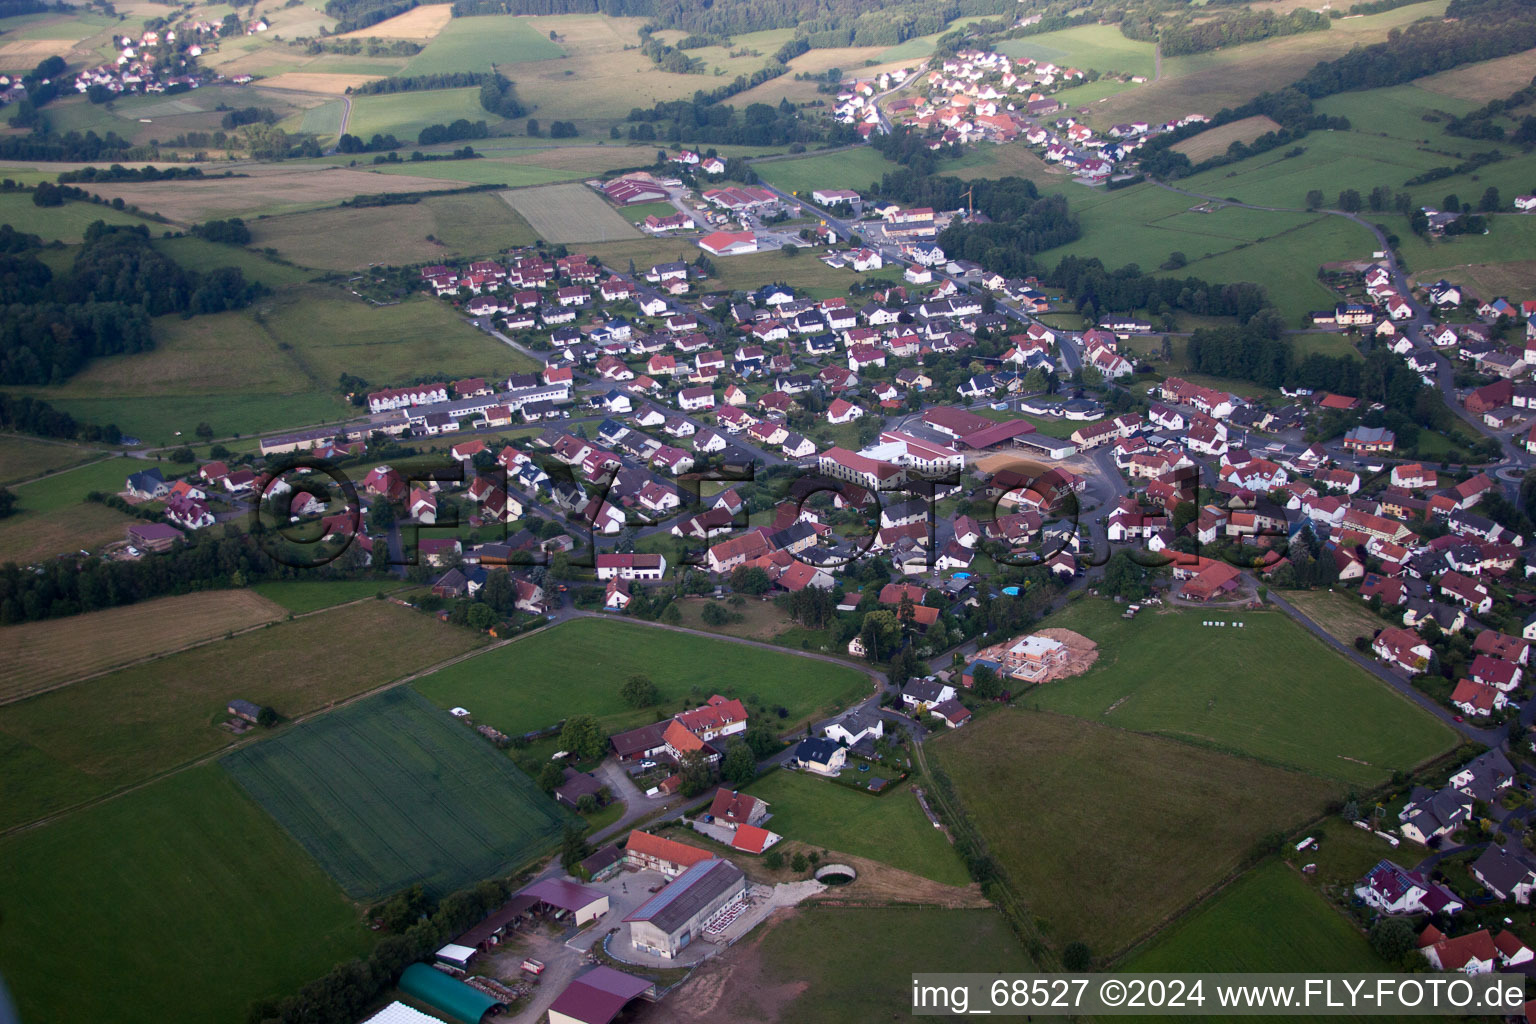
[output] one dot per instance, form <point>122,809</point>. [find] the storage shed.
<point>449,995</point>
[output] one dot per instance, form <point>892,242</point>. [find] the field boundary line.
<point>238,744</point>
<point>107,457</point>
<point>230,635</point>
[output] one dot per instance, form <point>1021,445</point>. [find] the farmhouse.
<point>691,902</point>
<point>645,852</point>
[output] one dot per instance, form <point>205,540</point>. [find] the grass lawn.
<point>65,223</point>
<point>160,892</point>
<point>807,275</point>
<point>299,596</point>
<point>22,458</point>
<point>1269,690</point>
<point>167,711</point>
<point>477,44</point>
<point>460,227</point>
<point>510,689</point>
<point>890,828</point>
<point>51,514</point>
<point>1153,822</point>
<point>1268,920</point>
<point>569,213</point>
<point>48,653</point>
<point>392,791</point>
<point>855,168</point>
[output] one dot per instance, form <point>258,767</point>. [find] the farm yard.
<point>890,828</point>
<point>392,791</point>
<point>39,656</point>
<point>1058,798</point>
<point>507,687</point>
<point>1269,690</point>
<point>61,750</point>
<point>142,891</point>
<point>569,213</point>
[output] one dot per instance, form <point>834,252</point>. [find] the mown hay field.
<point>569,213</point>
<point>92,737</point>
<point>38,656</point>
<point>393,791</point>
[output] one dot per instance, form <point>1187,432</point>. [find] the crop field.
<point>422,22</point>
<point>392,791</point>
<point>1270,691</point>
<point>1145,224</point>
<point>271,188</point>
<point>66,223</point>
<point>569,213</point>
<point>1059,800</point>
<point>854,168</point>
<point>462,227</point>
<point>598,81</point>
<point>22,458</point>
<point>52,517</point>
<point>1268,920</point>
<point>484,171</point>
<point>160,892</point>
<point>890,828</point>
<point>480,43</point>
<point>1101,47</point>
<point>39,656</point>
<point>1215,141</point>
<point>1513,278</point>
<point>534,683</point>
<point>62,749</point>
<point>286,351</point>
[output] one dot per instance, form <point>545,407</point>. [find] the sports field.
<point>1268,920</point>
<point>1269,690</point>
<point>1071,809</point>
<point>38,656</point>
<point>852,168</point>
<point>569,213</point>
<point>481,43</point>
<point>177,904</point>
<point>392,791</point>
<point>460,227</point>
<point>890,828</point>
<point>577,668</point>
<point>95,736</point>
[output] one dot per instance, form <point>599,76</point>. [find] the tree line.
<point>27,415</point>
<point>759,124</point>
<point>53,324</point>
<point>1480,123</point>
<point>117,172</point>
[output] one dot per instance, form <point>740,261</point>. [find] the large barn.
<point>674,917</point>
<point>597,997</point>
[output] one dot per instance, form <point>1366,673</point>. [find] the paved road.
<point>1491,737</point>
